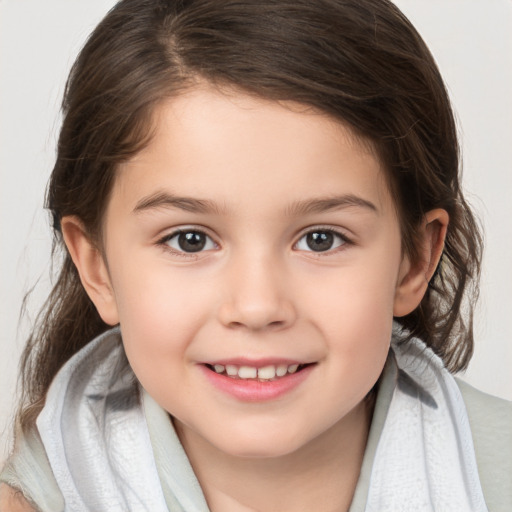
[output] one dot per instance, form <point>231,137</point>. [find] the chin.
<point>253,451</point>
<point>258,446</point>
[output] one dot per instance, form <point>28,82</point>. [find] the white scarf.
<point>425,459</point>
<point>95,434</point>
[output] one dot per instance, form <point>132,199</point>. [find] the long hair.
<point>359,61</point>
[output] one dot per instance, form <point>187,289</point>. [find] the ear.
<point>91,267</point>
<point>414,277</point>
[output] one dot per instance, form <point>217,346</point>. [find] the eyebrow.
<point>204,206</point>
<point>166,200</point>
<point>321,205</point>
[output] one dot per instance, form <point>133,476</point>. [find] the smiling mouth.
<point>269,373</point>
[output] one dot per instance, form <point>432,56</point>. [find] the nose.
<point>257,296</point>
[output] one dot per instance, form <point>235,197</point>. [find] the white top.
<point>97,435</point>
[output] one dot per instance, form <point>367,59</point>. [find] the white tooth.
<point>267,372</point>
<point>231,370</point>
<point>292,368</point>
<point>247,372</point>
<point>219,368</point>
<point>281,370</point>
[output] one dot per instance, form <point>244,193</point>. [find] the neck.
<point>321,475</point>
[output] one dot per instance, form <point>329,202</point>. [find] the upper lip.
<point>255,363</point>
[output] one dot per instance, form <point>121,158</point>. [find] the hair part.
<point>358,61</point>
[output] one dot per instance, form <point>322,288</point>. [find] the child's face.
<point>247,180</point>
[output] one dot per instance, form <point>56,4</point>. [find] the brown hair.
<point>359,61</point>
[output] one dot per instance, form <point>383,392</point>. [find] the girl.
<point>267,257</point>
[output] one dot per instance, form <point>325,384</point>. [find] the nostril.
<point>258,326</point>
<point>236,325</point>
<point>256,314</point>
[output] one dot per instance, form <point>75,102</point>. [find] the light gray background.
<point>472,42</point>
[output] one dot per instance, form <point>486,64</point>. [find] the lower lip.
<point>254,390</point>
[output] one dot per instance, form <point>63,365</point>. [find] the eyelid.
<point>163,240</point>
<point>328,229</point>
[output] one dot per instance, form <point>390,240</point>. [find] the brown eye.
<point>320,241</point>
<point>190,241</point>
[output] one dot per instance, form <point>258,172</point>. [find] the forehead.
<point>239,148</point>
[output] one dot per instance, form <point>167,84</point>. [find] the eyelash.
<point>164,241</point>
<point>345,241</point>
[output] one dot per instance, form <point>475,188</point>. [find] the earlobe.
<point>414,277</point>
<point>91,267</point>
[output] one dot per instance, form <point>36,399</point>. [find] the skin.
<point>11,500</point>
<point>266,174</point>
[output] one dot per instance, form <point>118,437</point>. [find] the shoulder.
<point>27,477</point>
<point>487,414</point>
<point>490,419</point>
<point>11,500</point>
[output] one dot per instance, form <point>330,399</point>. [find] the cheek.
<point>159,324</point>
<point>355,318</point>
<point>160,312</point>
<point>358,298</point>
